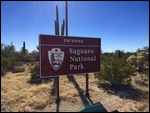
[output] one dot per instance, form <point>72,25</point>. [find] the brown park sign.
<point>62,55</point>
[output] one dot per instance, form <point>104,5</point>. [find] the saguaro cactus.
<point>24,47</point>
<point>57,24</point>
<point>56,80</point>
<point>63,28</point>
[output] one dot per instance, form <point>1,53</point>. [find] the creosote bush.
<point>115,70</point>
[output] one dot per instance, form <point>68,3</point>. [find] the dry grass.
<point>18,95</point>
<point>17,91</point>
<point>39,103</point>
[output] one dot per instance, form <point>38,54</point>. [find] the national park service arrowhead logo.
<point>56,57</point>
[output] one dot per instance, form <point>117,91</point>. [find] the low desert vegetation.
<point>22,90</point>
<point>12,60</point>
<point>118,67</point>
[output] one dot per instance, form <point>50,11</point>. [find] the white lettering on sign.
<point>82,59</point>
<point>73,41</point>
<point>76,67</point>
<point>79,51</point>
<point>76,55</point>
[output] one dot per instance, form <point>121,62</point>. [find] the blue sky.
<point>122,25</point>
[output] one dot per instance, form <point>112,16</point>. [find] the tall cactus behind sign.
<point>63,28</point>
<point>24,47</point>
<point>57,24</point>
<point>56,80</point>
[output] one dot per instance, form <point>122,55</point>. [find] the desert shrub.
<point>147,59</point>
<point>115,70</point>
<point>140,61</point>
<point>146,73</point>
<point>132,60</point>
<point>39,104</point>
<point>7,64</point>
<point>146,48</point>
<point>8,58</point>
<point>4,65</point>
<point>119,53</point>
<point>35,71</point>
<point>34,55</point>
<point>35,77</point>
<point>25,57</point>
<point>18,69</point>
<point>19,63</point>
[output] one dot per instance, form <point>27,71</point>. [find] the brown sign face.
<point>62,55</point>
